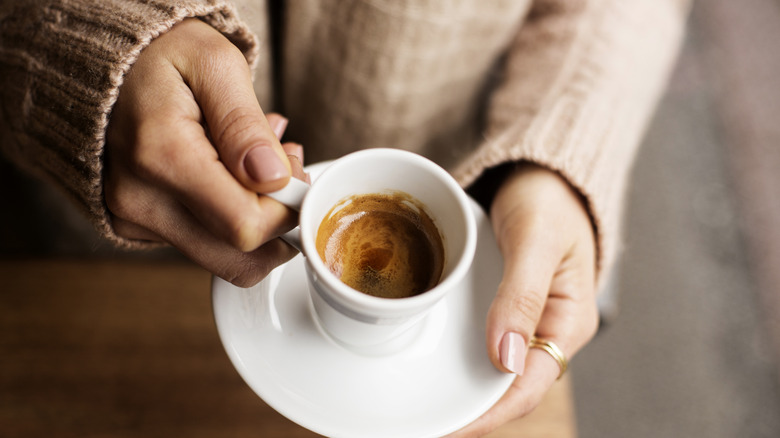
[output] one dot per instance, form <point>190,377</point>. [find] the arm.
<point>579,86</point>
<point>580,83</point>
<point>61,67</point>
<point>150,122</point>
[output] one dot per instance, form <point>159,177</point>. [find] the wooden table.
<point>129,349</point>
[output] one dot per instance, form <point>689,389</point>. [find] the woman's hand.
<point>548,287</point>
<point>188,150</point>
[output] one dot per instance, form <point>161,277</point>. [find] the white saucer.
<point>441,382</point>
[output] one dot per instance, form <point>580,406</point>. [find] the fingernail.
<point>263,165</point>
<point>295,150</point>
<point>513,352</point>
<point>278,125</point>
<point>297,167</point>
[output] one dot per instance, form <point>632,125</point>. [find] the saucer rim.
<point>333,429</point>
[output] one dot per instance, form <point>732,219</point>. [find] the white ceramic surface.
<point>358,320</point>
<point>440,381</point>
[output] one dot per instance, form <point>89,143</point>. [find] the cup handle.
<point>292,196</point>
<point>293,237</point>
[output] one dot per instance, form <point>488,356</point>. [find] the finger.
<point>297,168</point>
<point>170,149</point>
<point>228,209</point>
<point>538,246</point>
<point>222,85</point>
<point>182,163</point>
<point>518,305</point>
<point>175,224</point>
<point>567,322</point>
<point>278,124</point>
<point>544,292</point>
<point>294,153</point>
<point>571,316</point>
<point>244,269</point>
<point>295,150</point>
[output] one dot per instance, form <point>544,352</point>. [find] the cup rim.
<point>355,298</point>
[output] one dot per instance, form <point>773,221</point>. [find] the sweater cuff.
<point>62,65</point>
<point>587,121</point>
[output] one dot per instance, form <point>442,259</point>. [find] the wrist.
<point>530,195</point>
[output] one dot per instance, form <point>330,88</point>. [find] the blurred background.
<point>695,349</point>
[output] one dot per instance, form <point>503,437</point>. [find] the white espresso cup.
<point>352,318</point>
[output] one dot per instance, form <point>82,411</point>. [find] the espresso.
<point>383,245</point>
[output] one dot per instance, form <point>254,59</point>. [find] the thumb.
<point>243,137</point>
<point>517,308</point>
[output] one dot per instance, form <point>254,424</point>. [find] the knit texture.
<point>61,66</point>
<point>568,84</point>
<point>577,93</point>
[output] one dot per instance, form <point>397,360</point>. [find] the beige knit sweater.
<point>569,84</point>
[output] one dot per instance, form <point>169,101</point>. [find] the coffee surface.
<point>384,245</point>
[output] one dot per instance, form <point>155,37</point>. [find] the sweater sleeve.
<point>578,88</point>
<point>61,65</point>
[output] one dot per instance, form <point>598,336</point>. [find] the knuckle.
<point>239,125</point>
<point>121,200</point>
<point>220,51</point>
<point>240,235</point>
<point>246,278</point>
<point>152,154</point>
<point>527,307</point>
<point>247,269</point>
<point>246,272</point>
<point>245,233</point>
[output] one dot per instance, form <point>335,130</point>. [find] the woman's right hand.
<point>188,149</point>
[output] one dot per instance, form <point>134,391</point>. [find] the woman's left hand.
<point>548,287</point>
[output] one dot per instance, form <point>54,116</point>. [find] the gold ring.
<point>552,350</point>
